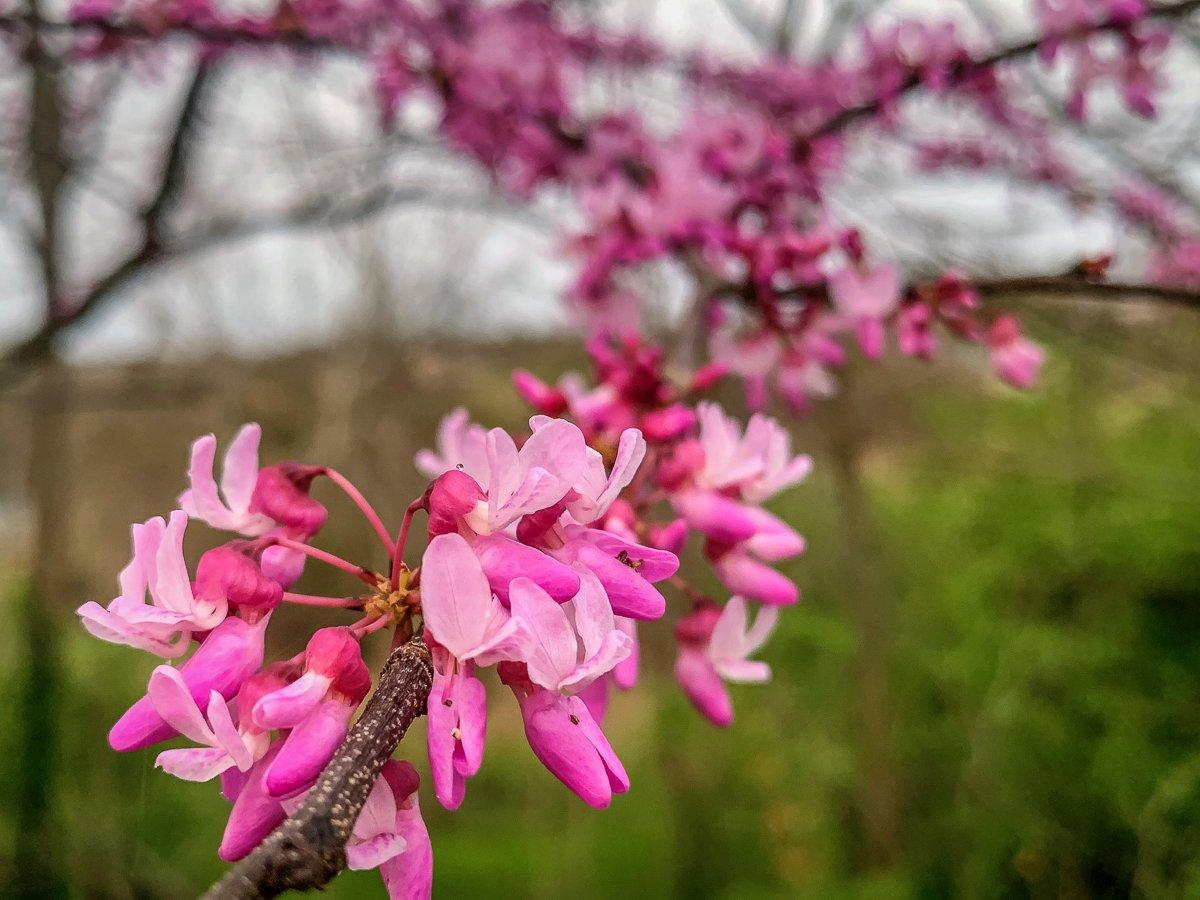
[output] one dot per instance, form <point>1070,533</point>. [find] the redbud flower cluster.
<point>545,553</point>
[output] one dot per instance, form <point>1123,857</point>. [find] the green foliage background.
<point>1040,558</point>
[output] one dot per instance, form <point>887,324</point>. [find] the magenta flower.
<point>713,648</point>
<point>255,812</point>
<point>224,744</point>
<point>547,400</point>
<point>866,297</point>
<point>316,707</point>
<point>165,625</point>
<point>228,509</point>
<point>504,559</point>
<point>566,739</point>
<point>228,655</point>
<point>741,571</point>
<point>573,646</point>
<point>390,835</point>
<point>1015,359</point>
<point>469,626</point>
<point>626,570</point>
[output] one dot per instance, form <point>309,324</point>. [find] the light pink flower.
<point>515,482</point>
<point>461,445</point>
<point>390,835</point>
<point>224,744</point>
<point>533,478</point>
<point>1015,359</point>
<point>228,509</point>
<point>757,464</point>
<point>459,608</point>
<point>752,358</point>
<point>228,655</point>
<point>468,626</point>
<point>594,491</point>
<point>164,625</point>
<point>866,297</point>
<point>714,648</point>
<point>573,643</point>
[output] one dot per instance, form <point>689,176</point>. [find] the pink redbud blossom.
<point>255,812</point>
<point>866,297</point>
<point>1015,359</point>
<point>461,445</point>
<point>390,835</point>
<point>566,739</point>
<point>227,656</point>
<point>224,744</point>
<point>547,400</point>
<point>230,508</point>
<point>316,707</point>
<point>574,643</point>
<point>713,648</point>
<point>163,626</point>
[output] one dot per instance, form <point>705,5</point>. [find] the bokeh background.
<point>991,687</point>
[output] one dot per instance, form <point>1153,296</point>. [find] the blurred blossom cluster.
<point>736,192</point>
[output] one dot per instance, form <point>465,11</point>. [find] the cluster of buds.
<point>544,553</point>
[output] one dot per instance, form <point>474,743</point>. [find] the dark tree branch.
<point>215,35</point>
<point>174,174</point>
<point>963,73</point>
<point>1067,285</point>
<point>309,849</point>
<point>326,212</point>
<point>1086,289</point>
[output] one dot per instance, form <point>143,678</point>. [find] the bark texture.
<point>309,849</point>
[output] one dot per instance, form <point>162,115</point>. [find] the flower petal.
<point>239,474</point>
<point>455,595</point>
<point>194,763</point>
<point>288,706</point>
<point>554,647</point>
<point>174,702</point>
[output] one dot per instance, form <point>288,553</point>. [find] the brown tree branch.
<point>174,173</point>
<point>1067,285</point>
<point>1086,289</point>
<point>226,36</point>
<point>963,73</point>
<point>309,849</point>
<point>322,211</point>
